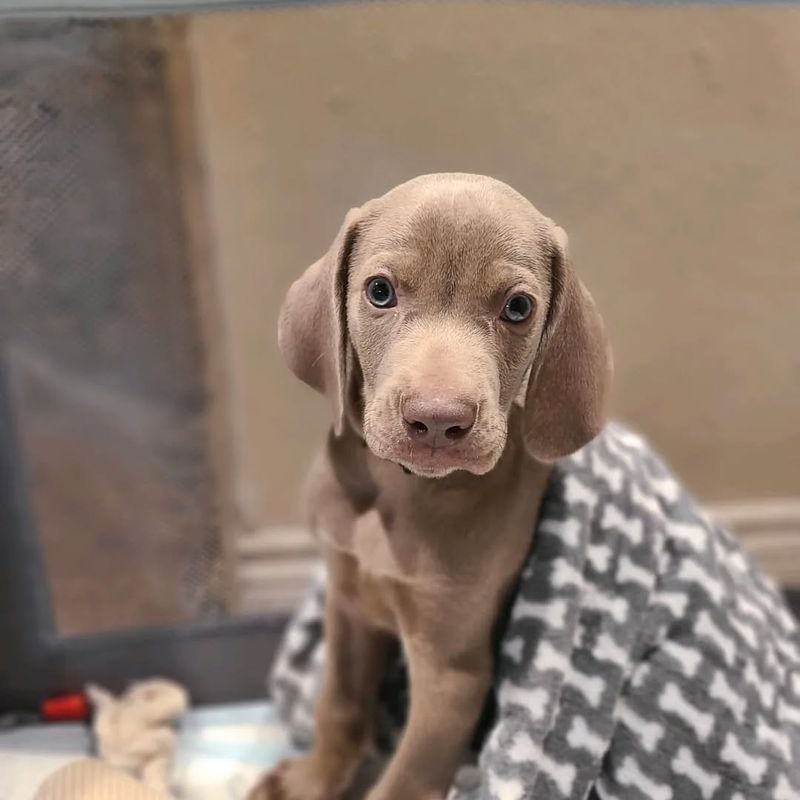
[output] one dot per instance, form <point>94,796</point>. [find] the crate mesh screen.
<point>100,339</point>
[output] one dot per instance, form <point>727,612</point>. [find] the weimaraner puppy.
<point>461,356</point>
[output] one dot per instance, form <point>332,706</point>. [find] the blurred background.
<point>163,180</point>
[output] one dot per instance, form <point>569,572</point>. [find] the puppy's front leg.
<point>355,662</point>
<point>449,681</point>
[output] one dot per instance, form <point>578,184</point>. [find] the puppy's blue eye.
<point>380,293</point>
<point>517,308</point>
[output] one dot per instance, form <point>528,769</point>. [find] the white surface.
<point>29,755</point>
<point>222,750</point>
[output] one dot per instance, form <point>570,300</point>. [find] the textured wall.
<point>664,139</point>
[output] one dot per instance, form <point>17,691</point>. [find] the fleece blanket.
<point>645,657</point>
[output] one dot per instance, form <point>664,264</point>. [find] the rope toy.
<point>135,732</point>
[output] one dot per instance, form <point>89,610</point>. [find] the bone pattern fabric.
<point>645,657</point>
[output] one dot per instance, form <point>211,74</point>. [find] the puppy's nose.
<point>437,421</point>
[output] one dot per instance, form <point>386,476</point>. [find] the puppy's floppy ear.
<point>312,327</point>
<point>565,404</point>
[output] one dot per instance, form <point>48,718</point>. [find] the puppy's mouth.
<point>437,462</point>
<point>441,471</point>
<point>432,447</point>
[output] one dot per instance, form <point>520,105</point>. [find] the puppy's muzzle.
<point>437,422</point>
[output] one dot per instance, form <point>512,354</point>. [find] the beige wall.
<point>666,140</point>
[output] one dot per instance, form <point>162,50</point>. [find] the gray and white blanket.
<point>644,656</point>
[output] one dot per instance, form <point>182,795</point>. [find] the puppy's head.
<point>437,307</point>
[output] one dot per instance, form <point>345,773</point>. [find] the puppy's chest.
<point>382,569</point>
<point>397,569</point>
<point>385,551</point>
<point>416,544</point>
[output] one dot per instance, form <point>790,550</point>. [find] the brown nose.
<point>437,422</point>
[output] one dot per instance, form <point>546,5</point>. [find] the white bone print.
<point>564,574</point>
<point>590,686</point>
<point>694,536</point>
<point>607,649</point>
<point>629,774</point>
<point>548,658</point>
<point>745,631</point>
<point>568,531</point>
<point>514,649</point>
<point>613,476</point>
<point>650,733</point>
<point>673,601</point>
<point>752,767</point>
<point>706,782</point>
<point>721,690</point>
<point>787,713</point>
<point>688,658</point>
<point>580,737</point>
<point>628,572</point>
<point>553,613</point>
<point>524,750</point>
<point>773,738</point>
<point>599,556</point>
<point>614,520</point>
<point>784,790</point>
<point>692,572</point>
<point>645,501</point>
<point>673,702</point>
<point>577,492</point>
<point>616,607</point>
<point>505,788</point>
<point>534,700</point>
<point>706,629</point>
<point>764,689</point>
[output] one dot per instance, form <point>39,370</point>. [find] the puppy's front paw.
<point>294,779</point>
<point>270,787</point>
